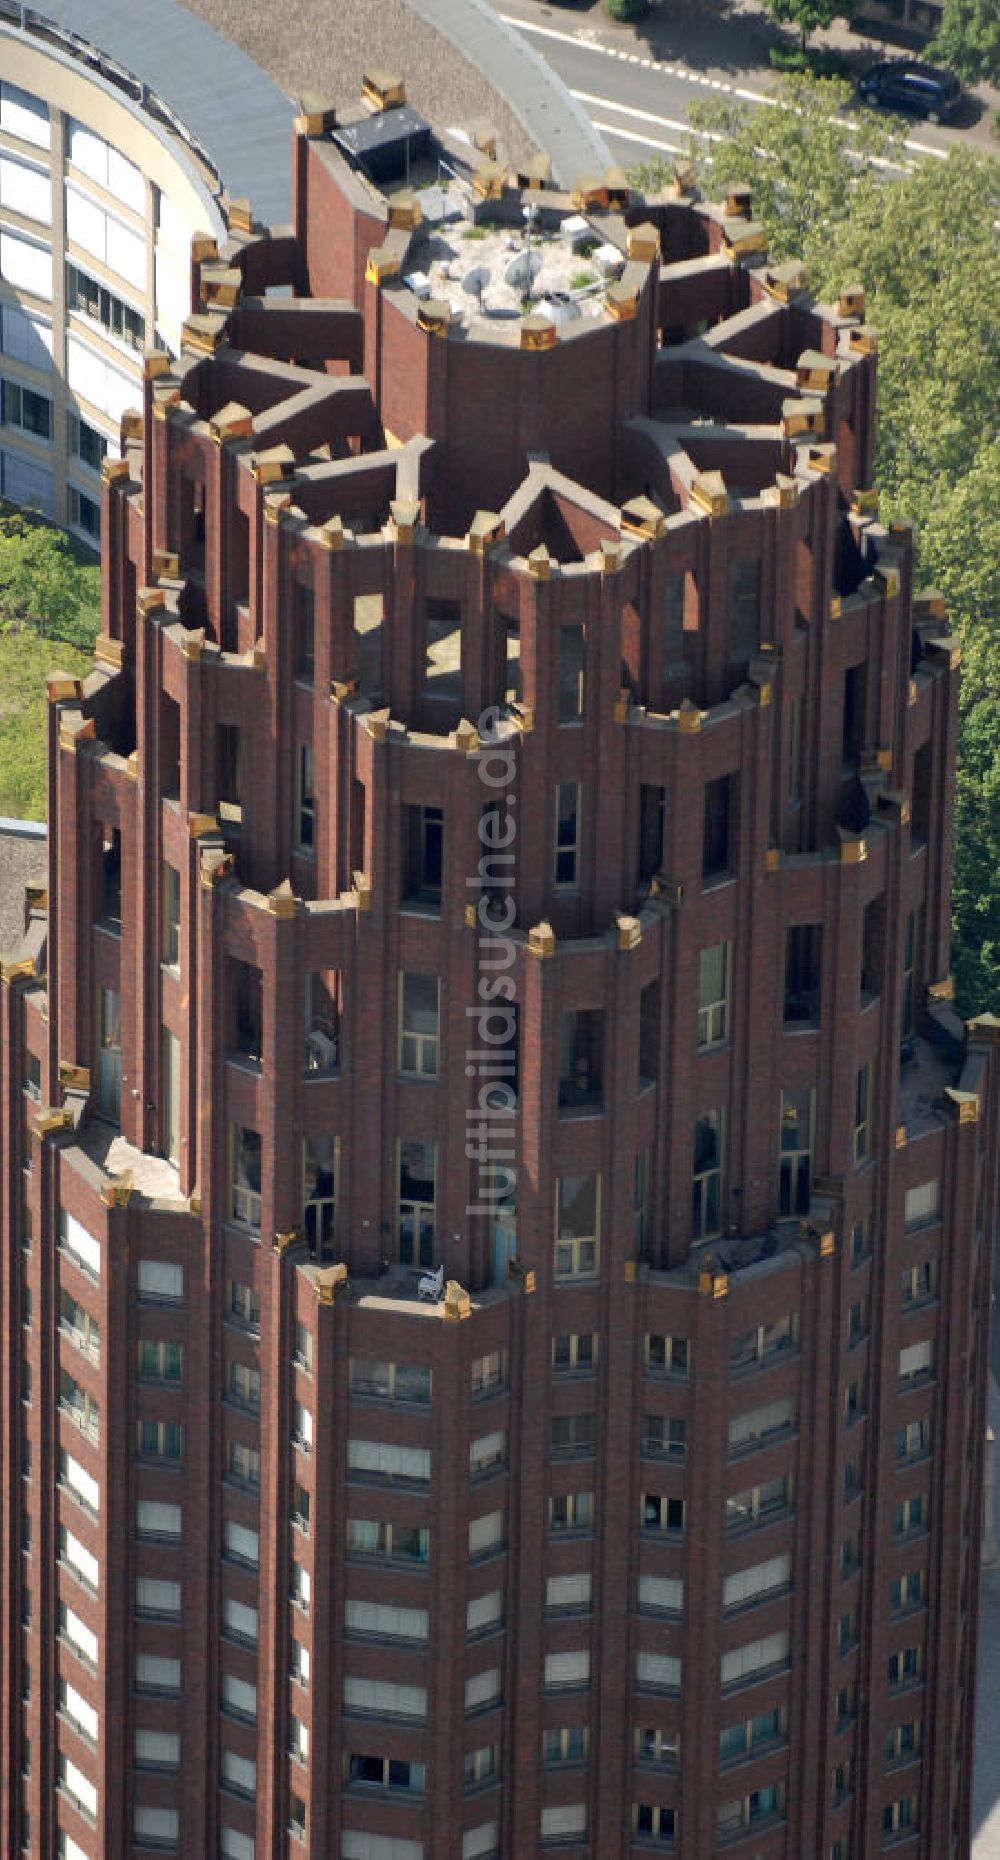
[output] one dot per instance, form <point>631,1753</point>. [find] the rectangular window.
<point>759,1502</point>
<point>88,297</point>
<point>77,1324</point>
<point>305,631</point>
<point>707,1176</point>
<point>109,1054</point>
<point>571,1511</point>
<point>664,1437</point>
<point>916,1361</point>
<point>380,1459</point>
<point>84,513</point>
<point>484,1613</point>
<point>714,983</point>
<point>655,1746</point>
<point>571,673</point>
<point>244,1207</point>
<point>756,1425</point>
<point>758,1579</point>
<point>749,1734</point>
<point>75,1634</point>
<point>23,408</point>
<point>481,1765</point>
<point>758,1656</point>
<point>489,1373</point>
<point>159,1440</point>
<point>486,1534</point>
<point>370,1537</point>
<point>157,1520</point>
<point>423,857</point>
<point>744,608</point>
<point>803,946</point>
<point>658,1672</point>
<point>667,1355</point>
<point>907,1591</point>
<point>568,1593</point>
<point>154,1673</point>
<point>657,1512</point>
<point>483,1689</point>
<point>81,1407</point>
<point>385,1621</point>
<point>239,1622</point>
<point>443,651</point>
<point>239,1697</point>
<point>763,1342</point>
<point>322,1022</point>
<point>910,1516</point>
<point>85,443</point>
<point>567,1670</point>
<point>487,1453</point>
<point>157,1599</point>
<point>913,1440</point>
<point>719,836</point>
<point>157,1750</point>
<point>243,1385</point>
<point>573,1436</point>
<point>567,835</point>
<point>652,814</point>
<point>855,693</point>
<point>383,1381</point>
<point>419,997</point>
<point>655,1826</point>
<point>922,1207</point>
<point>320,1155</point>
<point>305,799</point>
<point>239,1774</point>
<point>864,1110</point>
<point>170,938</point>
<point>158,1361</point>
<point>905,1667</point>
<point>795,748</point>
<point>581,1059</point>
<point>918,1283</point>
<point>81,1246</point>
<point>795,1151</point>
<point>575,1353</point>
<point>661,1595</point>
<point>578,1225</point>
<point>417,1164</point>
<point>911,969</point>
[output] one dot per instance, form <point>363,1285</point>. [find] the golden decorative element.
<point>542,939</point>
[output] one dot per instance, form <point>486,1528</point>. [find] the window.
<point>385,1773</point>
<point>664,1436</point>
<point>239,1697</point>
<point>385,1621</point>
<point>305,800</point>
<point>571,1511</point>
<point>239,1622</point>
<point>566,1594</point>
<point>157,1750</point>
<point>706,1176</point>
<point>481,1765</point>
<point>79,1559</point>
<point>109,1054</point>
<point>861,1241</point>
<point>400,1382</point>
<point>573,1435</point>
<point>240,1544</point>
<point>758,1656</point>
<point>575,1353</point>
<point>81,1408</point>
<point>652,814</point>
<point>654,1826</point>
<point>907,1591</point>
<point>418,1025</point>
<point>248,1010</point>
<point>304,605</point>
<point>483,1690</point>
<point>153,1673</point>
<point>852,1478</point>
<point>567,1670</point>
<point>443,651</point>
<point>910,1516</point>
<point>415,1203</point>
<point>758,1579</point>
<point>243,1305</point>
<point>758,1503</point>
<point>911,964</point>
<point>25,116</point>
<point>486,1534</point>
<point>84,442</point>
<point>23,408</point>
<point>660,1595</point>
<point>322,1022</point>
<point>298,1739</point>
<point>913,1440</point>
<point>903,1742</point>
<point>236,1846</point>
<point>567,835</point>
<point>301,1508</point>
<point>239,1774</point>
<point>658,1672</point>
<point>78,1787</point>
<point>357,1846</point>
<point>864,1105</point>
<point>659,1513</point>
<point>744,608</point>
<point>901,1816</point>
<point>578,1216</point>
<point>854,1401</point>
<point>489,1373</point>
<point>919,1283</point>
<point>905,1667</point>
<point>714,983</point>
<point>159,1440</point>
<point>244,1206</point>
<point>916,1361</point>
<point>76,1323</point>
<point>380,1459</point>
<point>159,1361</point>
<point>243,1385</point>
<point>795,748</point>
<point>568,1823</point>
<point>370,1537</point>
<point>718,837</point>
<point>571,673</point>
<point>749,1734</point>
<point>79,1711</point>
<point>755,1425</point>
<point>748,1810</point>
<point>157,1598</point>
<point>157,1520</point>
<point>857,1322</point>
<point>302,1427</point>
<point>581,1051</point>
<point>922,1207</point>
<point>855,680</point>
<point>81,1246</point>
<point>76,1635</point>
<point>160,1282</point>
<point>89,298</point>
<point>655,1746</point>
<point>482,1843</point>
<point>487,1453</point>
<point>803,947</point>
<point>320,1156</point>
<point>423,850</point>
<point>667,1355</point>
<point>759,1346</point>
<point>795,1159</point>
<point>155,1827</point>
<point>484,1613</point>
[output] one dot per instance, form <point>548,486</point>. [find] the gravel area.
<point>22,860</point>
<point>306,45</point>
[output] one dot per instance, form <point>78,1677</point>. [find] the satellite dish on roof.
<point>475,281</point>
<point>523,270</point>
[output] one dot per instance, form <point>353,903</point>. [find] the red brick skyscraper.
<point>658,1530</point>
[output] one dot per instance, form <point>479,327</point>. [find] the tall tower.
<point>498,1201</point>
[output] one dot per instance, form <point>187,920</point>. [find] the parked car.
<point>918,89</point>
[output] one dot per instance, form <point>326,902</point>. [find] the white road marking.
<point>642,116</point>
<point>633,135</point>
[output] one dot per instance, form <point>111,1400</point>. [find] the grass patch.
<point>26,659</point>
<point>580,280</point>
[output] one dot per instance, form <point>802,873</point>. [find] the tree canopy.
<point>809,15</point>
<point>49,585</point>
<point>922,239</point>
<point>968,40</point>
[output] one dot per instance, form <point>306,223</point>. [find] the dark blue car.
<point>916,89</point>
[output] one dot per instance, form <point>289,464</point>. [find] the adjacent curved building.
<point>498,1204</point>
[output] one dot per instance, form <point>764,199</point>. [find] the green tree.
<point>924,245</point>
<point>809,15</point>
<point>48,583</point>
<point>968,40</point>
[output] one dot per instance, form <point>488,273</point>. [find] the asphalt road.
<point>638,102</point>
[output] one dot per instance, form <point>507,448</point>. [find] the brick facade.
<point>772,1168</point>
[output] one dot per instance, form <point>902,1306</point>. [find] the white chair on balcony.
<point>431,1285</point>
